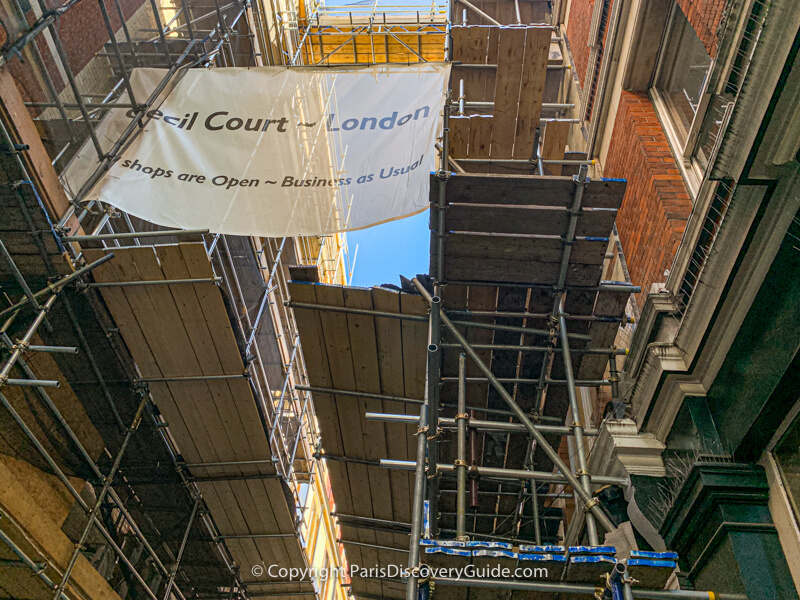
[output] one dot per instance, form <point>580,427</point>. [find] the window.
<point>679,93</point>
<point>682,74</point>
<point>787,456</point>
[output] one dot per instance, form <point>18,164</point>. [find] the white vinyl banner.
<point>271,151</point>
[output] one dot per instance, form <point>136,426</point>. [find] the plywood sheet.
<point>534,76</point>
<point>373,355</point>
<point>531,189</point>
<point>507,91</point>
<point>183,330</point>
<point>554,143</point>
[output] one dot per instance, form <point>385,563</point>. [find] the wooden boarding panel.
<point>607,304</point>
<point>145,305</point>
<point>534,76</point>
<point>510,56</point>
<point>476,79</point>
<point>338,348</point>
<point>529,189</point>
<point>462,245</point>
<point>517,271</point>
<point>184,330</point>
<point>534,220</point>
<point>459,137</point>
<point>459,37</point>
<point>414,336</point>
<point>480,133</point>
<point>364,353</point>
<point>373,355</point>
<point>554,143</point>
<point>494,46</point>
<point>480,298</point>
<point>400,443</point>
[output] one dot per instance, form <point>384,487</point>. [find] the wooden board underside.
<point>371,355</point>
<point>529,190</point>
<point>534,12</point>
<point>554,143</point>
<point>184,330</point>
<point>516,85</point>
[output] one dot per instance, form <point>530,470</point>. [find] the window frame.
<point>685,153</point>
<point>782,506</point>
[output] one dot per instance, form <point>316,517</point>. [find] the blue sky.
<point>387,251</point>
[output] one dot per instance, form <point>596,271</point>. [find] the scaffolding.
<point>151,525</point>
<point>513,326</point>
<point>519,237</point>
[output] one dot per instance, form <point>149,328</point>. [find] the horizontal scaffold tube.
<point>577,382</point>
<point>407,465</point>
<point>421,318</point>
<point>480,425</point>
<point>136,234</point>
<point>589,590</point>
<point>58,285</point>
<point>521,348</point>
<point>608,286</point>
<point>108,284</point>
<point>406,400</point>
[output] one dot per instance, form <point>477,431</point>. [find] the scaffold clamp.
<point>591,504</point>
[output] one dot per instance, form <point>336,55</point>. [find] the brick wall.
<point>580,20</point>
<point>83,31</point>
<point>657,204</point>
<point>705,17</point>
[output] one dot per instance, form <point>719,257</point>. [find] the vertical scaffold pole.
<point>461,461</point>
<point>537,527</point>
<point>577,426</point>
<point>416,511</point>
<point>613,377</point>
<point>434,387</point>
<point>442,176</point>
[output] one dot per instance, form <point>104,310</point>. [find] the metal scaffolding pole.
<point>134,235</point>
<point>434,387</point>
<point>18,276</point>
<point>99,501</point>
<point>542,349</point>
<point>38,569</point>
<point>416,510</point>
<point>506,474</point>
<point>58,285</point>
<point>420,318</point>
<point>577,431</point>
<point>478,424</point>
<point>20,346</point>
<point>520,414</point>
<point>176,565</point>
<point>587,591</point>
<point>461,461</point>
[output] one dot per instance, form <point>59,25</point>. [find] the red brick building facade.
<point>657,204</point>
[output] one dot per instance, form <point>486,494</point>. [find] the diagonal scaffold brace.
<point>595,509</point>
